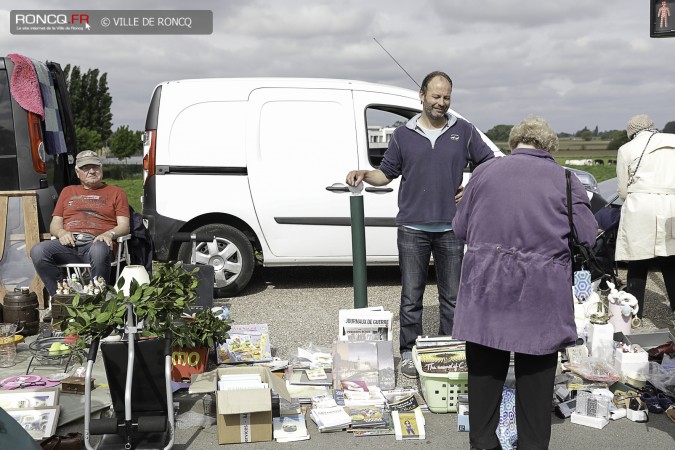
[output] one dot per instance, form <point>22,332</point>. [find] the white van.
<point>248,160</point>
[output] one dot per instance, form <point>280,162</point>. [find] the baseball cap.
<point>87,157</point>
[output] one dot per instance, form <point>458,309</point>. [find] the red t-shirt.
<point>92,211</point>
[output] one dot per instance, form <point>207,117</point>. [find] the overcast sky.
<point>575,62</point>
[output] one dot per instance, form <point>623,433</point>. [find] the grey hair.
<point>535,131</point>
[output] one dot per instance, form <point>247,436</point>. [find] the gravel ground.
<point>301,304</point>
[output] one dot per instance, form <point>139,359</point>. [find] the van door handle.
<point>379,190</point>
<point>337,188</point>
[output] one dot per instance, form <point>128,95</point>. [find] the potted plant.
<point>193,337</point>
<point>160,304</point>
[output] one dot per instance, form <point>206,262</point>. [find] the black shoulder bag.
<point>580,254</point>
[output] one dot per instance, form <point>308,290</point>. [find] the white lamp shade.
<point>129,273</point>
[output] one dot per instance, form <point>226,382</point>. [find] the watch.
<point>114,235</point>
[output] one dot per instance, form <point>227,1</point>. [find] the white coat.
<point>647,227</point>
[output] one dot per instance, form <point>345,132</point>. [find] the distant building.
<point>378,136</point>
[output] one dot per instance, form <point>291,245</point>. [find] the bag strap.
<point>631,176</point>
<point>571,237</point>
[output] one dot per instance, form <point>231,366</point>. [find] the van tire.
<point>233,261</point>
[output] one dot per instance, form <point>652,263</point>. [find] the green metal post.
<point>359,251</point>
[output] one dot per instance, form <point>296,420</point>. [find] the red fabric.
<point>24,85</point>
<point>92,211</point>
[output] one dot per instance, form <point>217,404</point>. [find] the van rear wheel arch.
<point>232,257</point>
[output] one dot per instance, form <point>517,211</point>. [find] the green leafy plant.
<point>159,304</point>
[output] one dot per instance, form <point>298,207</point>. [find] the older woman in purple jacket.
<point>515,293</point>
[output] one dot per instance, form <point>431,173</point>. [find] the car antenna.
<point>406,72</point>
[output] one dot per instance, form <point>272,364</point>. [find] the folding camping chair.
<point>84,269</point>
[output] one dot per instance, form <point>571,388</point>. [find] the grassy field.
<point>577,149</point>
<point>134,189</point>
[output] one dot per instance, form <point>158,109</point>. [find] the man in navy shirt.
<point>429,152</point>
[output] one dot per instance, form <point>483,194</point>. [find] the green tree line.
<point>616,138</point>
<point>91,104</point>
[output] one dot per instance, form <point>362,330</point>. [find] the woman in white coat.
<point>645,173</point>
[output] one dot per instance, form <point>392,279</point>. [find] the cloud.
<point>577,63</point>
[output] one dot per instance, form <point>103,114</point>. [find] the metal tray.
<point>649,340</point>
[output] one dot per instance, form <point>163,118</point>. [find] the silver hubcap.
<point>225,258</point>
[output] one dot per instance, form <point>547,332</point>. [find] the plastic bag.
<point>595,369</point>
<point>312,356</point>
<point>662,378</point>
<point>507,431</point>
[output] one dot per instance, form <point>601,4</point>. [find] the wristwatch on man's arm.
<point>114,235</point>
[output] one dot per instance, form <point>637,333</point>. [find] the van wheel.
<point>232,258</point>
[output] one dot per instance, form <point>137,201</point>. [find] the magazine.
<point>400,399</point>
<point>367,416</point>
<point>247,344</point>
<point>371,362</point>
<point>365,324</point>
<point>408,425</point>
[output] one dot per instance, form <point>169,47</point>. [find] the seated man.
<point>86,220</point>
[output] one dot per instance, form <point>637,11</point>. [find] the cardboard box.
<point>631,362</point>
<point>593,422</point>
<point>463,417</point>
<point>242,415</point>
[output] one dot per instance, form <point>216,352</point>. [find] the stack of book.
<point>331,418</point>
<point>441,354</point>
<point>234,382</point>
<point>290,428</point>
<point>367,417</point>
<point>356,394</point>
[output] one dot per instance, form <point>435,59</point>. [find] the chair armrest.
<point>124,238</point>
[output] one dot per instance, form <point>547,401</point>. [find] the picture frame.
<point>40,423</point>
<point>29,398</point>
<point>662,24</point>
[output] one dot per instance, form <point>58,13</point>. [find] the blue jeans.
<point>414,251</point>
<point>47,254</point>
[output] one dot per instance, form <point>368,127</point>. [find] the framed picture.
<point>40,423</point>
<point>29,398</point>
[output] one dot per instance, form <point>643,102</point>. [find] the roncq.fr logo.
<point>51,19</point>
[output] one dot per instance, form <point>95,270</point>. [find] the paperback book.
<point>368,416</point>
<point>290,428</point>
<point>386,429</point>
<point>332,418</point>
<point>248,343</point>
<point>408,424</point>
<point>405,399</point>
<point>371,362</point>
